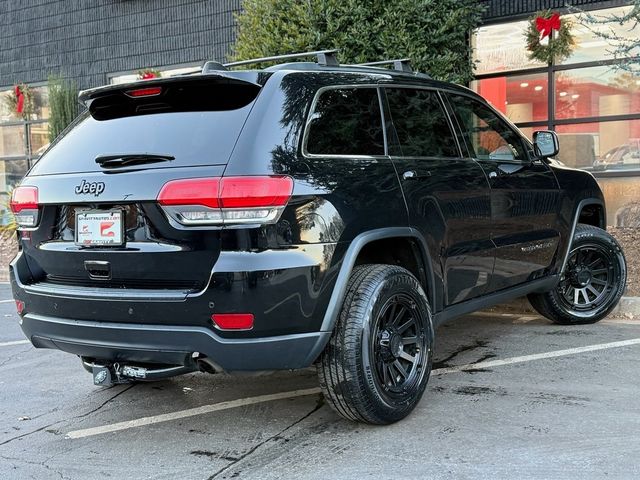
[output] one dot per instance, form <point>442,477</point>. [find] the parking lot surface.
<point>510,397</point>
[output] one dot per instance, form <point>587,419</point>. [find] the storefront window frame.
<point>30,155</point>
<point>552,70</point>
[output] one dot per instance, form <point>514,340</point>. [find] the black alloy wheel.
<point>399,346</point>
<point>588,280</point>
<point>592,282</point>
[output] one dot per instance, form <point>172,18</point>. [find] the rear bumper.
<point>167,326</point>
<point>174,345</point>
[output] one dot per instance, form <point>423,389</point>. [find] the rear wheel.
<point>592,283</point>
<point>377,363</point>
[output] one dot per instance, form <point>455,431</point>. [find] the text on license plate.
<point>99,228</point>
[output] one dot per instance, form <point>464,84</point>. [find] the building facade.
<point>593,106</point>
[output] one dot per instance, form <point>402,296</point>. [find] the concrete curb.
<point>628,307</point>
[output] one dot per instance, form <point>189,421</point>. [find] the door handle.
<point>413,175</point>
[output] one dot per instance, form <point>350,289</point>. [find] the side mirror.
<point>546,143</point>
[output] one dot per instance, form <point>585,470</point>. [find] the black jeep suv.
<point>305,213</point>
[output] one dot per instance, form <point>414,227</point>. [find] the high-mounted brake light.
<point>24,205</point>
<point>144,92</point>
<point>227,201</point>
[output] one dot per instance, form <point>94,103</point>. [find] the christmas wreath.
<point>20,101</point>
<point>549,38</point>
<point>148,74</point>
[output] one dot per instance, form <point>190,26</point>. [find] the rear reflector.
<point>226,201</point>
<point>20,306</point>
<point>24,205</point>
<point>144,92</point>
<point>233,321</point>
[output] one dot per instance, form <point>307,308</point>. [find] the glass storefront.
<point>593,105</point>
<point>22,140</point>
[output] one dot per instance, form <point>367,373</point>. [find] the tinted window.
<point>346,121</point>
<point>487,135</point>
<point>420,123</point>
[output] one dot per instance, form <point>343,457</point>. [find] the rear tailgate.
<point>186,129</point>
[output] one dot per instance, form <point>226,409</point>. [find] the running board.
<point>541,285</point>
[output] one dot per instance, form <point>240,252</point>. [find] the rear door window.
<point>346,121</point>
<point>420,123</point>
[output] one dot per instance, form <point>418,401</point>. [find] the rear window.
<point>195,135</point>
<point>346,121</point>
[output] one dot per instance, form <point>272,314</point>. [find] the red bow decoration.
<point>19,100</point>
<point>547,25</point>
<point>148,76</point>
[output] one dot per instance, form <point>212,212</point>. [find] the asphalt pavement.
<point>511,396</point>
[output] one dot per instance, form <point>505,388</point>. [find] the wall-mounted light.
<point>538,88</point>
<point>563,94</point>
<point>575,95</point>
<point>524,84</point>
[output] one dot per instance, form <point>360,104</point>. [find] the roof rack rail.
<point>402,64</point>
<point>323,57</point>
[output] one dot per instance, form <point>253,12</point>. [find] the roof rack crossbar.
<point>323,57</point>
<point>402,64</point>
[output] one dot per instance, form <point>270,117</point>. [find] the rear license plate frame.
<point>118,239</point>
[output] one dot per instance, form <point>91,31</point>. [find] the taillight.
<point>24,205</point>
<point>227,201</point>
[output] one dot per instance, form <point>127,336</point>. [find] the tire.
<point>358,373</point>
<point>591,285</point>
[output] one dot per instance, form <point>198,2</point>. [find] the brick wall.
<point>87,39</point>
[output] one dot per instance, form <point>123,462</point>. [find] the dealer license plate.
<point>99,228</point>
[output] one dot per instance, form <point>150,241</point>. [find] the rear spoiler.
<point>206,92</point>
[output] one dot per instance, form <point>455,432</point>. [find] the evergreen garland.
<point>561,42</point>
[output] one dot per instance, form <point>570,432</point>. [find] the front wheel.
<point>377,363</point>
<point>592,283</point>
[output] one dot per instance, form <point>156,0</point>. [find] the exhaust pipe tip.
<point>207,366</point>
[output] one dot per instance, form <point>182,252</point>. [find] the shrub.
<point>64,105</point>
<point>434,34</point>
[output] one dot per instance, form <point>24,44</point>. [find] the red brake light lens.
<point>196,191</point>
<point>242,192</point>
<point>228,201</point>
<point>24,205</point>
<point>233,321</point>
<point>144,92</point>
<point>24,198</point>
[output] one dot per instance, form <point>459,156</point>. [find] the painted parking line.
<point>216,407</point>
<point>11,300</point>
<point>15,342</point>
<point>535,356</point>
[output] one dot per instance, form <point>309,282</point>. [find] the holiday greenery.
<point>434,34</point>
<point>148,74</point>
<point>19,101</point>
<point>549,37</point>
<point>64,106</point>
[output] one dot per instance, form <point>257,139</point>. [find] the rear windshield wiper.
<point>131,159</point>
